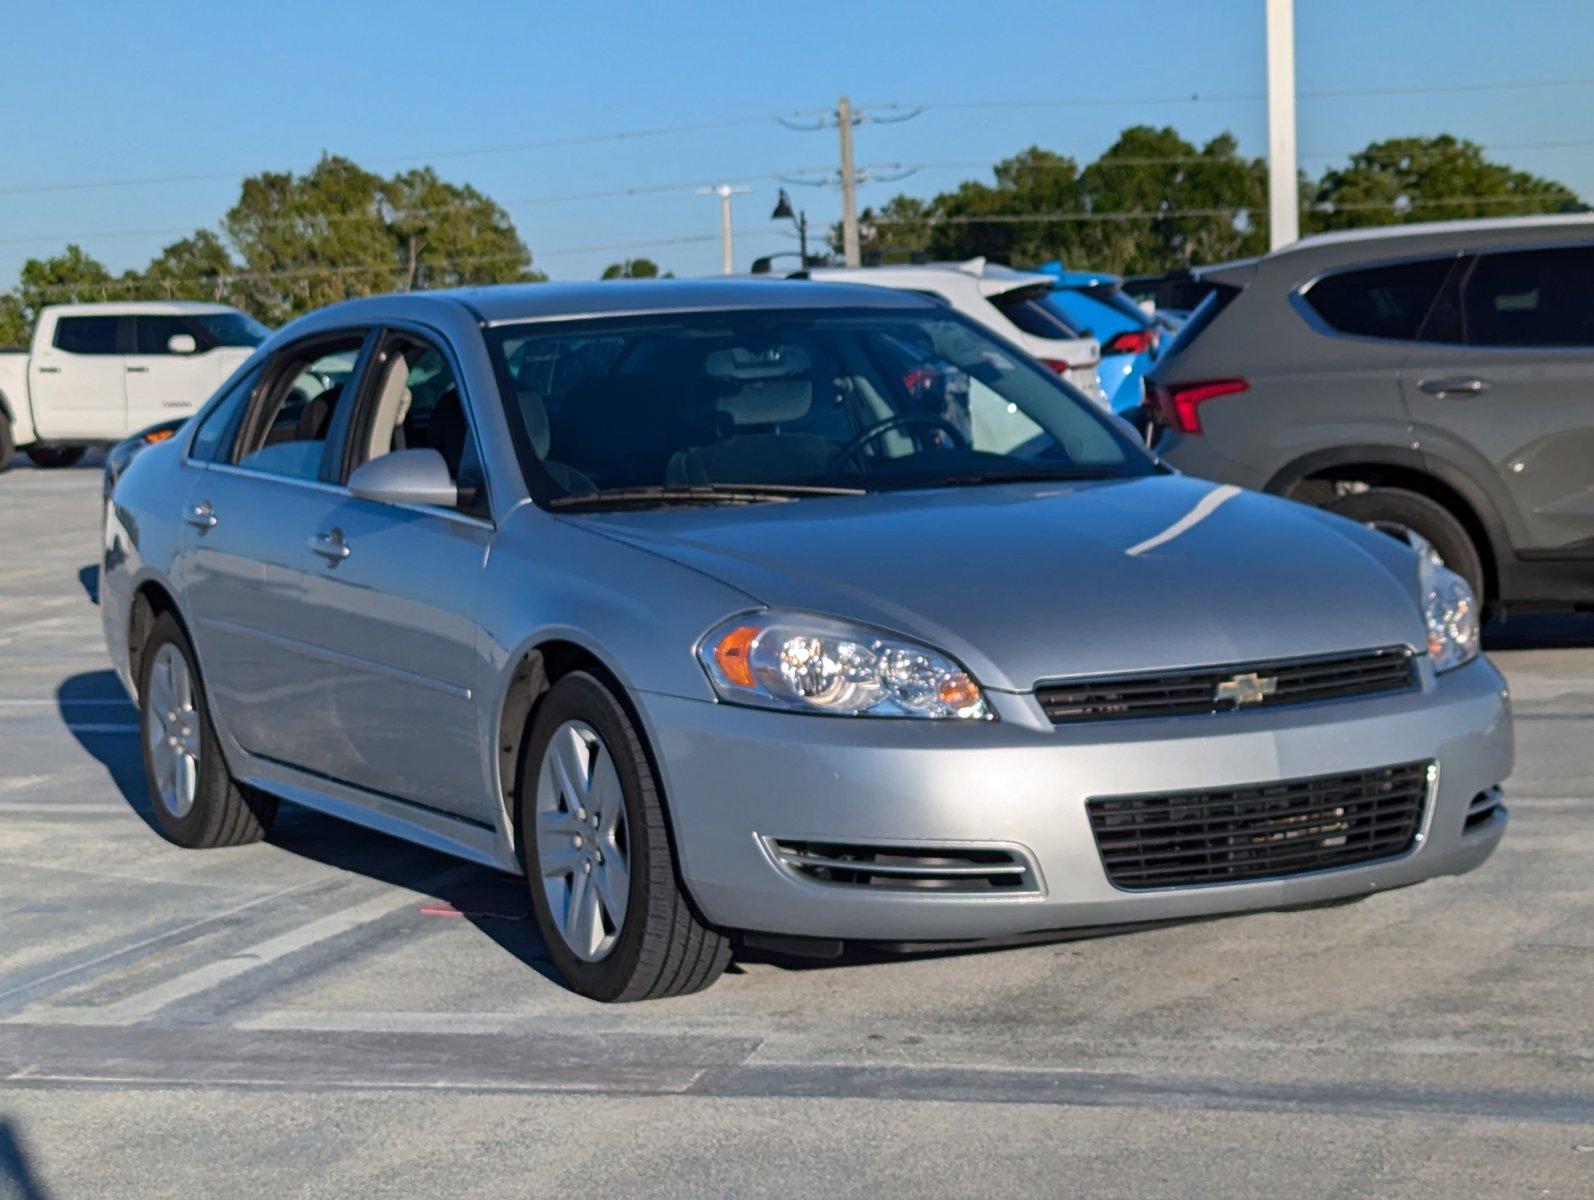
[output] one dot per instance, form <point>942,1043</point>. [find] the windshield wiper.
<point>1058,476</point>
<point>699,493</point>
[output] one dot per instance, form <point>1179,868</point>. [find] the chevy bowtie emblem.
<point>1249,688</point>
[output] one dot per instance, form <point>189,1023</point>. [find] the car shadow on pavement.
<point>17,1178</point>
<point>1540,631</point>
<point>498,905</point>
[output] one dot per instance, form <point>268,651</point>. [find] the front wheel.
<point>197,802</point>
<point>54,456</point>
<point>597,852</point>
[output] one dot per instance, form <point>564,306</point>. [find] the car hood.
<point>1025,582</point>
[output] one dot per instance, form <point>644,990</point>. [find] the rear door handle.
<point>49,370</point>
<point>201,515</point>
<point>330,546</point>
<point>1454,387</point>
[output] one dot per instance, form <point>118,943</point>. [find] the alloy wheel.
<point>583,847</point>
<point>171,727</point>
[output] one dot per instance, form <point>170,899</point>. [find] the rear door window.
<point>1035,312</point>
<point>1382,302</point>
<point>308,389</point>
<point>1531,298</point>
<point>87,335</point>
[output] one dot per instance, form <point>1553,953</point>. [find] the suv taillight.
<point>1174,405</point>
<point>1130,341</point>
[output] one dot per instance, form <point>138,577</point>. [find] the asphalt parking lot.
<point>337,1013</point>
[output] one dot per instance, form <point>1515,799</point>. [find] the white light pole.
<point>1283,192</point>
<point>725,191</point>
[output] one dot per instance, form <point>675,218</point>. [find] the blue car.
<point>1093,302</point>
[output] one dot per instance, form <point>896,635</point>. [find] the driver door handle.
<point>201,515</point>
<point>1454,387</point>
<point>330,546</point>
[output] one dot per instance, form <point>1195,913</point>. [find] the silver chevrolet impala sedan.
<point>792,613</point>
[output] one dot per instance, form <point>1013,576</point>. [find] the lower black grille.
<point>1221,689</point>
<point>1261,831</point>
<point>1482,809</point>
<point>907,868</point>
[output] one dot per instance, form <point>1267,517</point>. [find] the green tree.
<point>67,278</point>
<point>1440,178</point>
<point>339,231</point>
<point>195,268</point>
<point>632,268</point>
<point>15,324</point>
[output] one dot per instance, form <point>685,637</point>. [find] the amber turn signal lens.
<point>731,654</point>
<point>959,691</point>
<point>159,435</point>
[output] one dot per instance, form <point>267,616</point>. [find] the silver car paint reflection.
<point>373,688</point>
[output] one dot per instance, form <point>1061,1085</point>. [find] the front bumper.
<point>736,776</point>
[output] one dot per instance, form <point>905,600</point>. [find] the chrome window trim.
<point>341,490</point>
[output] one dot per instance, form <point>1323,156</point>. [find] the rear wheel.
<point>1423,516</point>
<point>8,445</point>
<point>54,456</point>
<point>197,802</point>
<point>598,858</point>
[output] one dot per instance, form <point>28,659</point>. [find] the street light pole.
<point>1283,190</point>
<point>725,191</point>
<point>783,212</point>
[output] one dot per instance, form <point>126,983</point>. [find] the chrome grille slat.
<point>908,868</point>
<point>1185,693</point>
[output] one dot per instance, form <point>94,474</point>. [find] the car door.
<point>381,604</point>
<point>77,381</point>
<point>245,544</point>
<point>163,383</point>
<point>1501,383</point>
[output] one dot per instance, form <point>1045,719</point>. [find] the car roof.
<point>1551,224</point>
<point>504,303</point>
<point>1078,279</point>
<point>147,308</point>
<point>974,268</point>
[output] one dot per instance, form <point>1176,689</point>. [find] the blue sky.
<point>99,91</point>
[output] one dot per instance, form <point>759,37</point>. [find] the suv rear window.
<point>1033,310</point>
<point>1381,302</point>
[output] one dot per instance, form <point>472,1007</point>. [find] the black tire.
<point>8,445</point>
<point>54,456</point>
<point>662,948</point>
<point>1427,517</point>
<point>223,813</point>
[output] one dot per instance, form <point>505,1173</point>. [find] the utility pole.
<point>1283,190</point>
<point>849,186</point>
<point>725,191</point>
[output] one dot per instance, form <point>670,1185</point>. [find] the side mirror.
<point>182,343</point>
<point>406,477</point>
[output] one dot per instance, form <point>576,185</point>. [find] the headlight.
<point>814,664</point>
<point>1449,609</point>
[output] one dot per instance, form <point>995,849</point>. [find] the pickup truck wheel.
<point>1426,517</point>
<point>8,445</point>
<point>54,456</point>
<point>197,802</point>
<point>597,854</point>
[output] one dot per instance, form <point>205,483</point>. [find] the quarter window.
<point>309,388</point>
<point>87,335</point>
<point>216,433</point>
<point>1531,298</point>
<point>1381,302</point>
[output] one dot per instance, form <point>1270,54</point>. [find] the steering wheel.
<point>880,428</point>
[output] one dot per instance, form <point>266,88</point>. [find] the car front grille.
<point>907,868</point>
<point>1260,831</point>
<point>1223,689</point>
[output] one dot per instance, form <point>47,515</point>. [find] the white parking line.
<point>141,1006</point>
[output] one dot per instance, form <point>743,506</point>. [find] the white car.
<point>99,372</point>
<point>1011,303</point>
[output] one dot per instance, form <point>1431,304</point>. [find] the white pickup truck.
<point>99,372</point>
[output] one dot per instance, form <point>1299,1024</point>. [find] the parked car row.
<point>791,614</point>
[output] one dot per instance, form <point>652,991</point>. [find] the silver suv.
<point>1440,376</point>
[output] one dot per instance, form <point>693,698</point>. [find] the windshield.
<point>793,399</point>
<point>231,328</point>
